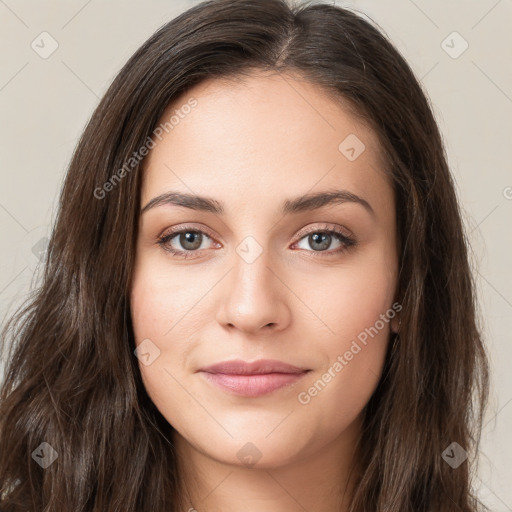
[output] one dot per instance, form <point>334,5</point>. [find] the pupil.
<point>189,239</point>
<point>321,236</point>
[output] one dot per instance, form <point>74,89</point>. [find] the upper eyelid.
<point>171,233</point>
<point>325,226</point>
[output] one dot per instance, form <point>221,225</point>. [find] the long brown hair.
<point>72,380</point>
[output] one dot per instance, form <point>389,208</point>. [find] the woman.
<point>257,293</point>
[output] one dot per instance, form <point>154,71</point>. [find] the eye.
<point>320,239</point>
<point>191,239</point>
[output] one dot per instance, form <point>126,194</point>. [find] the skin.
<point>251,146</point>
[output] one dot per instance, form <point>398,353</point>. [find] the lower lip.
<point>253,385</point>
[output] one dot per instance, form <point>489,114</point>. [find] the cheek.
<point>351,299</point>
<point>357,308</point>
<point>155,310</point>
<point>159,300</point>
<point>337,393</point>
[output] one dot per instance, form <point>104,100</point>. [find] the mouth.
<point>252,379</point>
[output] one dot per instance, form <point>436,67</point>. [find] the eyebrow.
<point>308,202</point>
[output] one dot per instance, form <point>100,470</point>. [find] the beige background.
<point>45,103</point>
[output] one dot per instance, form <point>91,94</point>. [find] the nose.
<point>254,297</point>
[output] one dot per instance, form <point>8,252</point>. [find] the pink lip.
<point>252,379</point>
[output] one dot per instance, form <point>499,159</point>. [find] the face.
<point>254,273</point>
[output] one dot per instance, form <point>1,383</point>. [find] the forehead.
<point>266,135</point>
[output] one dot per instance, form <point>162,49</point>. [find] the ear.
<point>395,324</point>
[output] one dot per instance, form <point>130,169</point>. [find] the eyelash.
<point>347,242</point>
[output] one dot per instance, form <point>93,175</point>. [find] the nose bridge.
<point>251,280</point>
<point>254,297</point>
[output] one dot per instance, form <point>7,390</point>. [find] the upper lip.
<point>262,366</point>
